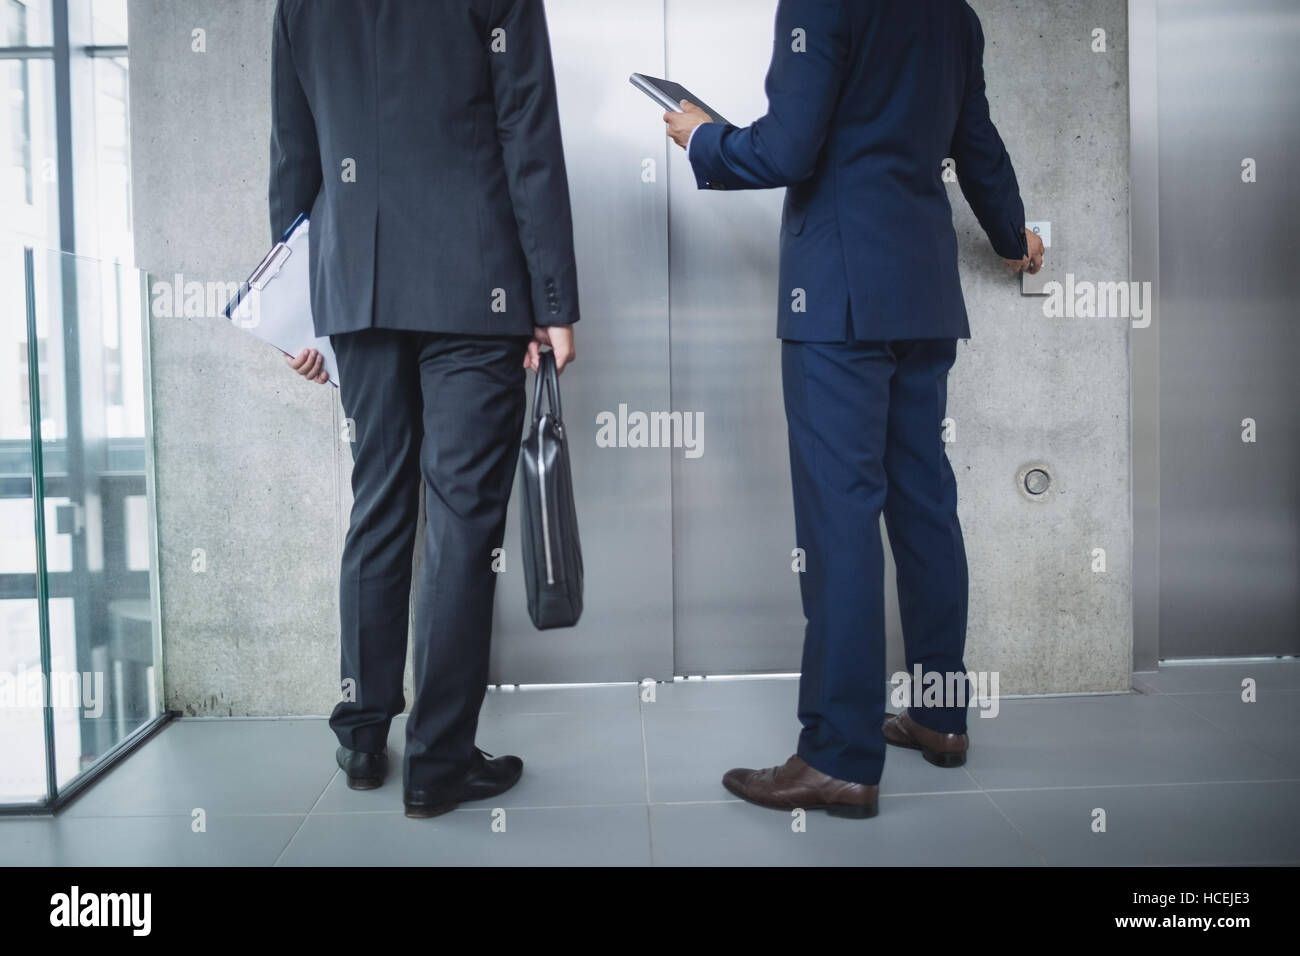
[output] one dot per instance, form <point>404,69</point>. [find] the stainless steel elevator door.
<point>736,595</point>
<point>737,599</point>
<point>1229,328</point>
<point>620,227</point>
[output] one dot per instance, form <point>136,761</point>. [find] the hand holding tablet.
<point>669,95</point>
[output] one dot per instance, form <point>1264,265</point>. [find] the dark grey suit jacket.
<point>423,140</point>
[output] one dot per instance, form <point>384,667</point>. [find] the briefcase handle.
<point>549,378</point>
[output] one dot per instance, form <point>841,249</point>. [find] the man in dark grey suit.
<point>423,141</point>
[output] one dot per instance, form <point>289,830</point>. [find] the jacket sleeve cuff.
<point>554,302</point>
<point>1010,242</point>
<point>705,154</point>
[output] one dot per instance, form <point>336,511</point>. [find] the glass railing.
<point>80,663</point>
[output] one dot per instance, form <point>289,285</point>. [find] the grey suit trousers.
<point>448,411</point>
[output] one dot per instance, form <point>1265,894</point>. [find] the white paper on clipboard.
<point>275,303</point>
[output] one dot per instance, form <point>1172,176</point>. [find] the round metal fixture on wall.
<point>1035,481</point>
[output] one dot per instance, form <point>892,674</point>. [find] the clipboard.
<point>274,303</point>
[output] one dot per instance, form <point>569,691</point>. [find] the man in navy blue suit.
<point>866,101</point>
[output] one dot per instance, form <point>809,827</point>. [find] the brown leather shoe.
<point>795,785</point>
<point>942,750</point>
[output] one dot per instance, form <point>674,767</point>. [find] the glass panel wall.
<point>79,637</point>
<point>78,622</point>
<point>23,777</point>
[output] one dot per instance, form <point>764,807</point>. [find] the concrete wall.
<point>249,469</point>
<point>1027,388</point>
<point>252,474</point>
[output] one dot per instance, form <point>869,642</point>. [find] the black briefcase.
<point>552,553</point>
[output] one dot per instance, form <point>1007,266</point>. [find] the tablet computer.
<point>669,95</point>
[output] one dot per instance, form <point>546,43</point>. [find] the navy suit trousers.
<point>865,436</point>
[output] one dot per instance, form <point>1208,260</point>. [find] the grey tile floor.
<point>1185,772</point>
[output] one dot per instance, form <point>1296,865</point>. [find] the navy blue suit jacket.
<point>858,126</point>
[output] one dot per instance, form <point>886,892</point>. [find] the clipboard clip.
<point>270,266</point>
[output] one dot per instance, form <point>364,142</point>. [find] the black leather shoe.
<point>365,770</point>
<point>487,777</point>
